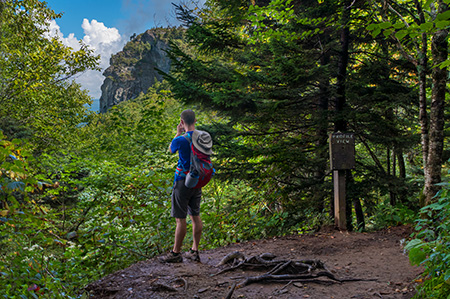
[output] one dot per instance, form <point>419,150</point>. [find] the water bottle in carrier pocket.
<point>191,180</point>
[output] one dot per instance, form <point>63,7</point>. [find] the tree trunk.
<point>394,185</point>
<point>341,122</point>
<point>359,214</point>
<point>401,173</point>
<point>388,161</point>
<point>348,204</point>
<point>439,52</point>
<point>322,136</point>
<point>390,176</point>
<point>401,163</point>
<point>422,69</point>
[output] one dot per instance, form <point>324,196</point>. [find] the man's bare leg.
<point>180,233</point>
<point>197,227</point>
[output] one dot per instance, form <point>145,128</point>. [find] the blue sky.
<point>128,16</point>
<point>106,25</point>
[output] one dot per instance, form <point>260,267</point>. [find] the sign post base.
<point>340,219</point>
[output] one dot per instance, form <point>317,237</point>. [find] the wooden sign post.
<point>342,158</point>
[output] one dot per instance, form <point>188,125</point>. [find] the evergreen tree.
<point>416,26</point>
<point>278,73</point>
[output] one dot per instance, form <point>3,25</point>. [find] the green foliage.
<point>95,213</point>
<point>272,69</point>
<point>271,133</point>
<point>275,21</point>
<point>94,195</point>
<point>104,203</point>
<point>408,28</point>
<point>236,212</point>
<point>35,91</point>
<point>431,246</point>
<point>386,215</point>
<point>73,216</point>
<point>120,217</point>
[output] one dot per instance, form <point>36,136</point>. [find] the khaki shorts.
<point>185,200</point>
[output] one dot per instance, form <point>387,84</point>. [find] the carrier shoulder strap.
<point>188,137</point>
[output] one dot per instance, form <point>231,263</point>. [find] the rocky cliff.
<point>132,71</point>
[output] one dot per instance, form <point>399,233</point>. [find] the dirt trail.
<point>377,256</point>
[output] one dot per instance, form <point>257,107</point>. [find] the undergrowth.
<point>431,247</point>
<point>84,219</point>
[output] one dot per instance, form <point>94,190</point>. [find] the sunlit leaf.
<point>443,16</point>
<point>401,34</point>
<point>417,256</point>
<point>385,25</point>
<point>426,26</point>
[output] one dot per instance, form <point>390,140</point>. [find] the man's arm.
<point>180,131</point>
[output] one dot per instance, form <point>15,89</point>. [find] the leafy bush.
<point>73,216</point>
<point>236,212</point>
<point>431,247</point>
<point>386,215</point>
<point>232,213</point>
<point>120,217</point>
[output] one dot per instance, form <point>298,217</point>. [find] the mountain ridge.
<point>133,70</point>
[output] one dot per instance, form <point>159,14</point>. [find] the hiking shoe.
<point>193,255</point>
<point>172,257</point>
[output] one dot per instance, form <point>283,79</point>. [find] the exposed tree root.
<point>287,271</point>
<point>159,286</point>
<point>181,279</point>
<point>230,292</point>
<point>286,277</point>
<point>162,287</point>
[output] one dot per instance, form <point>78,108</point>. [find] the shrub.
<point>431,247</point>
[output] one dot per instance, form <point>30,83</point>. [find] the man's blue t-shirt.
<point>182,145</point>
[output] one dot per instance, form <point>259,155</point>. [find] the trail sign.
<point>342,151</point>
<point>342,158</point>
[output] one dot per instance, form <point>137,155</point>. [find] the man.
<point>184,200</point>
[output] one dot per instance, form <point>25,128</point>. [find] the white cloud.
<point>70,41</point>
<point>103,40</point>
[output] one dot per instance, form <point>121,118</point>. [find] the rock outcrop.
<point>132,71</point>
